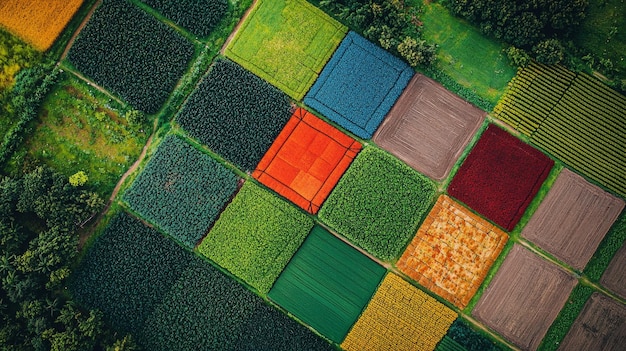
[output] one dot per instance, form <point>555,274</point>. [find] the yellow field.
<point>35,21</point>
<point>400,317</point>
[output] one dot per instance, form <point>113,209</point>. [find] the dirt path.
<point>236,29</point>
<point>80,28</point>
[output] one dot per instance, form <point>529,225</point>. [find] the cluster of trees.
<point>535,28</point>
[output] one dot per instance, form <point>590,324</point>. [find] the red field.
<point>500,177</point>
<point>306,160</point>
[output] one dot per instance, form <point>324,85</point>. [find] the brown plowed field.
<point>614,277</point>
<point>572,219</point>
<point>601,326</point>
<point>524,298</point>
<point>428,127</point>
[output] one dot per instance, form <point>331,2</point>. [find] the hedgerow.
<point>182,190</point>
<point>197,16</point>
<point>607,249</point>
<point>378,203</point>
<point>255,236</point>
<point>127,272</point>
<point>130,52</point>
<point>470,339</point>
<point>235,113</point>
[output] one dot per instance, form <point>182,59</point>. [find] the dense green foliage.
<point>14,55</point>
<point>334,279</point>
<point>469,339</point>
<point>235,113</point>
<point>378,203</point>
<point>182,190</point>
<point>566,317</point>
<point>255,236</point>
<point>612,242</point>
<point>565,114</point>
<point>128,51</point>
<point>197,16</point>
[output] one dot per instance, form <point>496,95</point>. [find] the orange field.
<point>37,22</point>
<point>452,251</point>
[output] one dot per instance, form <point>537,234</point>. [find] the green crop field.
<point>287,43</point>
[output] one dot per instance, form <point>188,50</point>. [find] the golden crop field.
<point>399,317</point>
<point>37,22</point>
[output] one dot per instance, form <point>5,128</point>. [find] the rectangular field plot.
<point>182,190</point>
<point>614,277</point>
<point>452,251</point>
<point>359,85</point>
<point>197,16</point>
<point>524,298</point>
<point>399,317</point>
<point>327,284</point>
<point>256,236</point>
<point>286,42</point>
<point>572,219</point>
<point>573,116</point>
<point>601,326</point>
<point>378,203</point>
<point>131,53</point>
<point>37,22</point>
<point>306,160</point>
<point>500,177</point>
<point>428,127</point>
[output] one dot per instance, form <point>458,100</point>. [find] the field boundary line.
<point>78,30</point>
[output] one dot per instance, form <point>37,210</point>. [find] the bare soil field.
<point>573,219</point>
<point>524,298</point>
<point>614,277</point>
<point>429,127</point>
<point>601,326</point>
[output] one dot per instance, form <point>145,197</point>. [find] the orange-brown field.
<point>452,251</point>
<point>37,22</point>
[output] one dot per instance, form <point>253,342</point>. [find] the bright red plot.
<point>500,177</point>
<point>306,160</point>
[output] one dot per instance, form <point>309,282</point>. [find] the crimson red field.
<point>500,177</point>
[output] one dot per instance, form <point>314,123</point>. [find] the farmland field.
<point>614,277</point>
<point>359,85</point>
<point>306,160</point>
<point>452,251</point>
<point>37,22</point>
<point>462,337</point>
<point>380,219</point>
<point>197,16</point>
<point>256,236</point>
<point>524,297</point>
<point>286,42</point>
<point>399,317</point>
<point>572,219</point>
<point>428,127</point>
<point>500,177</point>
<point>327,284</point>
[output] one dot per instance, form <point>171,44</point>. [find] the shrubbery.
<point>469,338</point>
<point>197,16</point>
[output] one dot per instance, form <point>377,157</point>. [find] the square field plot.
<point>601,326</point>
<point>235,113</point>
<point>378,203</point>
<point>130,52</point>
<point>182,190</point>
<point>500,177</point>
<point>452,251</point>
<point>359,85</point>
<point>429,127</point>
<point>286,42</point>
<point>327,284</point>
<point>614,277</point>
<point>255,236</point>
<point>572,219</point>
<point>306,160</point>
<point>524,298</point>
<point>399,317</point>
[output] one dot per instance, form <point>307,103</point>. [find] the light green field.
<point>287,43</point>
<point>465,54</point>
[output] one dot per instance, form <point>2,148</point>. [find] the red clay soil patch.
<point>614,277</point>
<point>600,326</point>
<point>500,177</point>
<point>572,219</point>
<point>306,160</point>
<point>429,127</point>
<point>452,251</point>
<point>524,298</point>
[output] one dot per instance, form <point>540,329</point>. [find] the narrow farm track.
<point>236,29</point>
<point>92,83</point>
<point>80,27</point>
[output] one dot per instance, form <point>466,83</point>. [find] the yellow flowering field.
<point>452,251</point>
<point>399,317</point>
<point>37,22</point>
